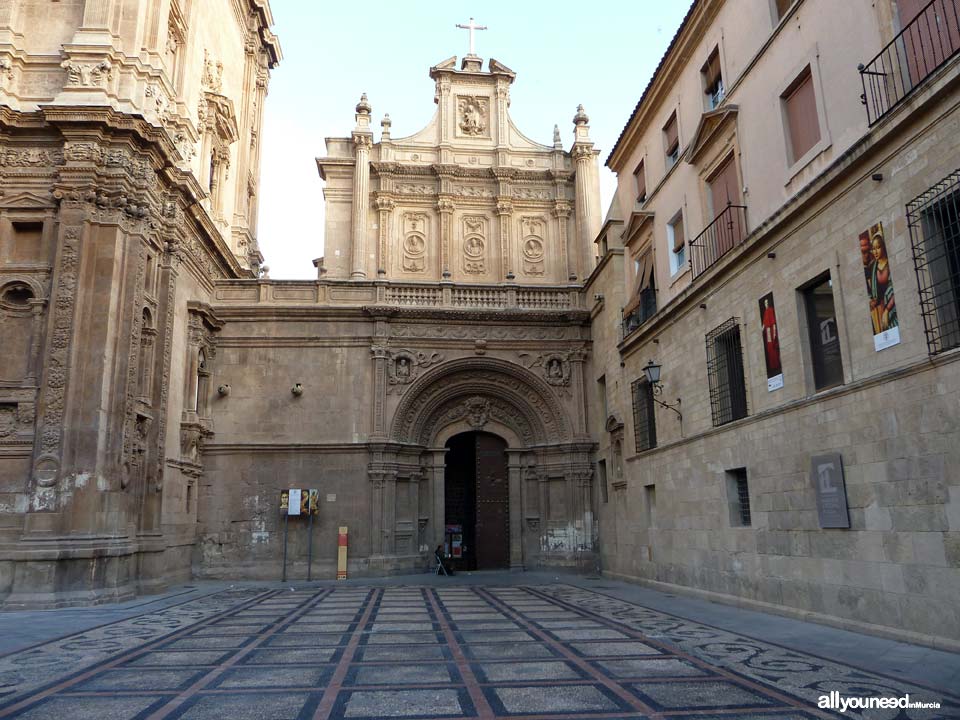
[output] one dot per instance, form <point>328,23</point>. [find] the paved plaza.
<point>483,646</point>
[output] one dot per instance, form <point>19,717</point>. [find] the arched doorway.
<point>477,501</point>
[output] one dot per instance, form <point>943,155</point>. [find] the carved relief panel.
<point>414,242</point>
<point>473,231</point>
<point>532,245</point>
<point>473,116</point>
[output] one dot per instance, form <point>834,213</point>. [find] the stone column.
<point>515,470</point>
<point>376,514</point>
<point>445,207</point>
<point>389,526</point>
<point>363,141</point>
<point>379,390</point>
<point>505,213</point>
<point>36,331</point>
<point>561,211</point>
<point>588,213</point>
<point>385,207</point>
<point>438,507</point>
<point>577,368</point>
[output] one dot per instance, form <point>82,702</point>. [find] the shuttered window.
<point>640,178</point>
<point>644,421</point>
<point>713,80</point>
<point>800,106</point>
<point>671,141</point>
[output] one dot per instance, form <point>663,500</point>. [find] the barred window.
<point>728,391</point>
<point>644,422</point>
<point>934,220</point>
<point>738,497</point>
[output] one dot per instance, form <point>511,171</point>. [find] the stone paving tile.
<point>402,653</point>
<point>622,649</point>
<point>91,708</point>
<point>403,638</point>
<point>373,704</point>
<point>475,636</point>
<point>650,667</point>
<point>554,700</point>
<point>401,675</point>
<point>306,640</point>
<point>206,643</point>
<point>506,652</point>
<point>175,658</point>
<point>522,671</point>
<point>283,706</point>
<point>269,678</point>
<point>292,656</point>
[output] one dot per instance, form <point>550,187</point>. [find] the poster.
<point>294,508</point>
<point>284,501</point>
<point>314,505</point>
<point>876,271</point>
<point>771,343</point>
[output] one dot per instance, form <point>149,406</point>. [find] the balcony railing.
<point>721,236</point>
<point>643,312</point>
<point>926,43</point>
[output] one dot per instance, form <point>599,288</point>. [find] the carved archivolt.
<point>474,233</point>
<point>452,391</point>
<point>404,366</point>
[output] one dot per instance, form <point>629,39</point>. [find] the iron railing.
<point>924,44</point>
<point>934,221</point>
<point>727,230</point>
<point>643,312</point>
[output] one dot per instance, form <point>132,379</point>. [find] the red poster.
<point>771,343</point>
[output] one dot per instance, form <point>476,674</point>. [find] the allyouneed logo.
<point>833,701</point>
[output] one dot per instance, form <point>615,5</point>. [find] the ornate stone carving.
<point>474,232</point>
<point>477,412</point>
<point>8,420</point>
<point>554,367</point>
<point>133,444</point>
<point>414,189</point>
<point>404,366</point>
<point>473,191</point>
<point>212,78</point>
<point>473,115</point>
<point>31,157</point>
<point>414,242</point>
<point>532,245</point>
<point>532,193</point>
<point>87,75</point>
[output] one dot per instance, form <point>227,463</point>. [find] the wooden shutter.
<point>782,7</point>
<point>670,134</point>
<point>724,188</point>
<point>801,107</point>
<point>711,71</point>
<point>641,180</point>
<point>640,283</point>
<point>678,239</point>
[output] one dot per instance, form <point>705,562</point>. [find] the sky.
<point>600,54</point>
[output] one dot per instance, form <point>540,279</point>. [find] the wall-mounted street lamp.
<point>652,371</point>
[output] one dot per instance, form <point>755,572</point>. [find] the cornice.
<point>506,316</point>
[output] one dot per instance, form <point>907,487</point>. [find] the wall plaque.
<point>826,471</point>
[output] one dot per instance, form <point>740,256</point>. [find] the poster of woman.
<point>771,343</point>
<point>876,271</point>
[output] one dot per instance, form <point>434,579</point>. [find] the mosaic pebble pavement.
<point>553,651</point>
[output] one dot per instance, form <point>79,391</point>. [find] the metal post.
<point>309,540</point>
<point>286,520</point>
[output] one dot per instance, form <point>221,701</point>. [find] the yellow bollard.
<point>342,554</point>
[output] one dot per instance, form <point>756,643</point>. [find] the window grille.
<point>644,422</point>
<point>728,391</point>
<point>738,496</point>
<point>934,221</point>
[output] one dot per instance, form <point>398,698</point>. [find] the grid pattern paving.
<point>411,652</point>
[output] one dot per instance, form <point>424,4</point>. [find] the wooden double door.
<point>477,500</point>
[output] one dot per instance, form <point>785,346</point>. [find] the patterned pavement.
<point>532,652</point>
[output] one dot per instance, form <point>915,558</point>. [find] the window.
<point>738,497</point>
<point>203,376</point>
<point>145,375</point>
<point>800,109</point>
<point>712,80</point>
<point>650,505</point>
<point>602,479</point>
<point>728,391</point>
<point>644,421</point>
<point>934,220</point>
<point>641,180</point>
<point>823,333</point>
<point>781,7</point>
<point>602,388</point>
<point>671,141</point>
<point>677,243</point>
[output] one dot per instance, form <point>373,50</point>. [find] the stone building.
<point>157,394</point>
<point>129,160</point>
<point>770,198</point>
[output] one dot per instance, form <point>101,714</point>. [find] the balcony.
<point>924,44</point>
<point>645,310</point>
<point>727,230</point>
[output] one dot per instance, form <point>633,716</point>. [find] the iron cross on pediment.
<point>471,27</point>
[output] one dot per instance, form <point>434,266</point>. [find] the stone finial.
<point>557,142</point>
<point>363,107</point>
<point>386,122</point>
<point>581,117</point>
